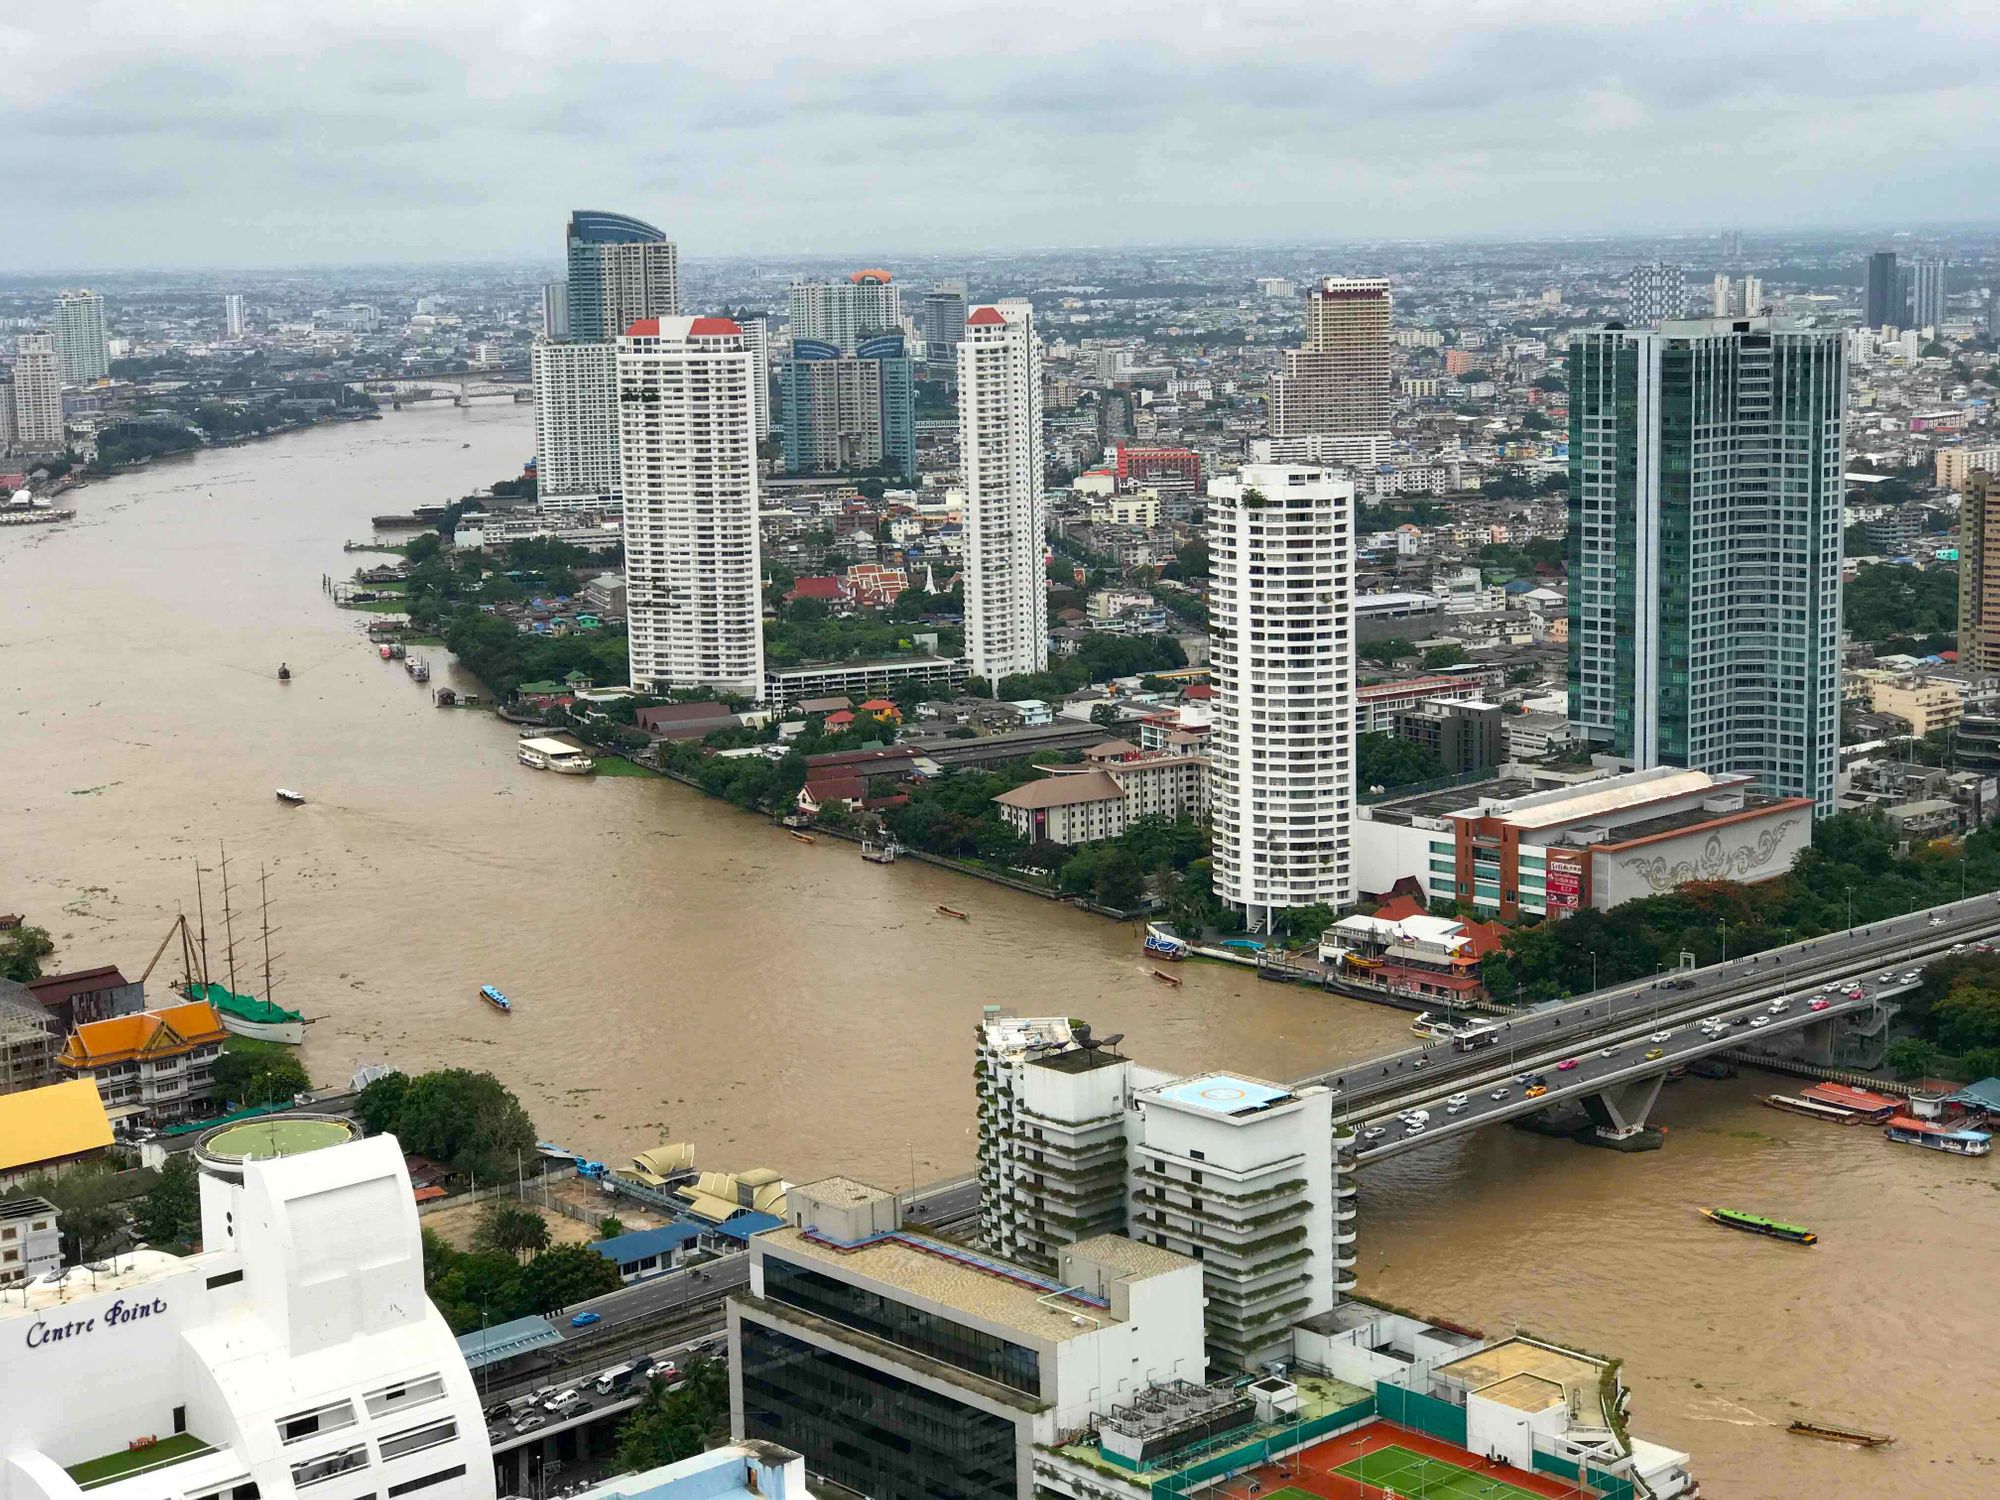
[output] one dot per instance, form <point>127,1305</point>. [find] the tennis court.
<point>1403,1473</point>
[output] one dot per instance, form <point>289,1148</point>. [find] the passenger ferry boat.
<point>1163,944</point>
<point>1731,1218</point>
<point>555,755</point>
<point>1906,1131</point>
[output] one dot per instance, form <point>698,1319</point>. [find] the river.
<point>683,972</point>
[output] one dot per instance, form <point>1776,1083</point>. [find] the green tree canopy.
<point>171,1213</point>
<point>467,1120</point>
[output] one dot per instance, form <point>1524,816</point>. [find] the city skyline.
<point>417,137</point>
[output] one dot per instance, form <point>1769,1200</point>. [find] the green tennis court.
<point>1404,1473</point>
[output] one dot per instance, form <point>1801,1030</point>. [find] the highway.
<point>1608,1062</point>
<point>1376,1085</point>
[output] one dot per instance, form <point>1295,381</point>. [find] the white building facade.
<point>1000,446</point>
<point>1281,658</point>
<point>83,350</point>
<point>38,408</point>
<point>576,419</point>
<point>688,460</point>
<point>297,1355</point>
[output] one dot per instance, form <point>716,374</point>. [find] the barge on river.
<point>1731,1218</point>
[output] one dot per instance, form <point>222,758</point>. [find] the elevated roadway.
<point>1375,1087</point>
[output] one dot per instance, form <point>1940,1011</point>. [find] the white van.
<point>562,1401</point>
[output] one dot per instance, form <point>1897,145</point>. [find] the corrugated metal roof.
<point>641,1243</point>
<point>490,1345</point>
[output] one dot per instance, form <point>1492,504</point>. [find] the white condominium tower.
<point>232,315</point>
<point>81,346</point>
<point>1281,653</point>
<point>843,313</point>
<point>576,419</point>
<point>688,453</point>
<point>38,408</point>
<point>1337,383</point>
<point>1000,448</point>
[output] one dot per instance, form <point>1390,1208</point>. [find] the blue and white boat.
<point>1163,944</point>
<point>494,998</point>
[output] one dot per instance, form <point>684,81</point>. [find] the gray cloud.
<point>232,130</point>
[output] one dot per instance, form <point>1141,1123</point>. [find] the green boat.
<point>1753,1224</point>
<point>246,1015</point>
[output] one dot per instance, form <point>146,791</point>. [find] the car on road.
<point>1655,1054</point>
<point>1565,1065</point>
<point>585,1319</point>
<point>1677,984</point>
<point>1756,1021</point>
<point>1498,1094</point>
<point>497,1411</point>
<point>1819,1005</point>
<point>1913,976</point>
<point>1743,1020</point>
<point>528,1421</point>
<point>1607,1051</point>
<point>1778,1007</point>
<point>1534,1091</point>
<point>1524,1078</point>
<point>1661,1036</point>
<point>1856,993</point>
<point>1413,1127</point>
<point>562,1401</point>
<point>1456,1101</point>
<point>662,1369</point>
<point>1374,1133</point>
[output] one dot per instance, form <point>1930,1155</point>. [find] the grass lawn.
<point>168,1450</point>
<point>615,765</point>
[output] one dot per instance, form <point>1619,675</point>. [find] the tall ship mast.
<point>244,1015</point>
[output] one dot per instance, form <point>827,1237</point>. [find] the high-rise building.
<point>843,313</point>
<point>904,1366</point>
<point>7,431</point>
<point>1927,294</point>
<point>576,420</point>
<point>1000,454</point>
<point>1281,662</point>
<point>1338,381</point>
<point>1704,548</point>
<point>848,412</point>
<point>757,339</point>
<point>1882,305</point>
<point>1732,244</point>
<point>1718,295</point>
<point>232,315</point>
<point>943,322</point>
<point>82,351</point>
<point>620,269</point>
<point>1979,573</point>
<point>1993,311</point>
<point>555,309</point>
<point>1655,293</point>
<point>38,408</point>
<point>1077,1141</point>
<point>687,446</point>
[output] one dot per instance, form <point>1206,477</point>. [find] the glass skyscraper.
<point>846,413</point>
<point>1704,548</point>
<point>1883,297</point>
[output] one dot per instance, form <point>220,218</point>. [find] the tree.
<point>90,1200</point>
<point>251,1073</point>
<point>171,1213</point>
<point>1912,1057</point>
<point>467,1120</point>
<point>670,1425</point>
<point>1446,655</point>
<point>610,1227</point>
<point>1383,760</point>
<point>1387,652</point>
<point>22,952</point>
<point>511,1227</point>
<point>1120,882</point>
<point>564,1274</point>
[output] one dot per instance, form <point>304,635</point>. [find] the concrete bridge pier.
<point>1619,1112</point>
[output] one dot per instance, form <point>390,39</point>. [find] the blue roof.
<point>1984,1094</point>
<point>640,1243</point>
<point>593,226</point>
<point>744,1225</point>
<point>487,1346</point>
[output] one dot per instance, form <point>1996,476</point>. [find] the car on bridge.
<point>1534,1091</point>
<point>1654,1054</point>
<point>1661,1036</point>
<point>528,1421</point>
<point>1498,1094</point>
<point>585,1319</point>
<point>1566,1065</point>
<point>1818,1005</point>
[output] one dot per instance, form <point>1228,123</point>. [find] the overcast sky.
<point>161,132</point>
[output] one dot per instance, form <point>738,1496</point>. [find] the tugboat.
<point>494,998</point>
<point>284,673</point>
<point>1731,1218</point>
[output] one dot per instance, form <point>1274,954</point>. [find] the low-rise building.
<point>903,1366</point>
<point>154,1064</point>
<point>1376,704</point>
<point>47,1131</point>
<point>1502,847</point>
<point>1467,735</point>
<point>786,687</point>
<point>30,1239</point>
<point>1106,795</point>
<point>27,1045</point>
<point>1925,705</point>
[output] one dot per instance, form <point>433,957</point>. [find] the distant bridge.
<point>459,389</point>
